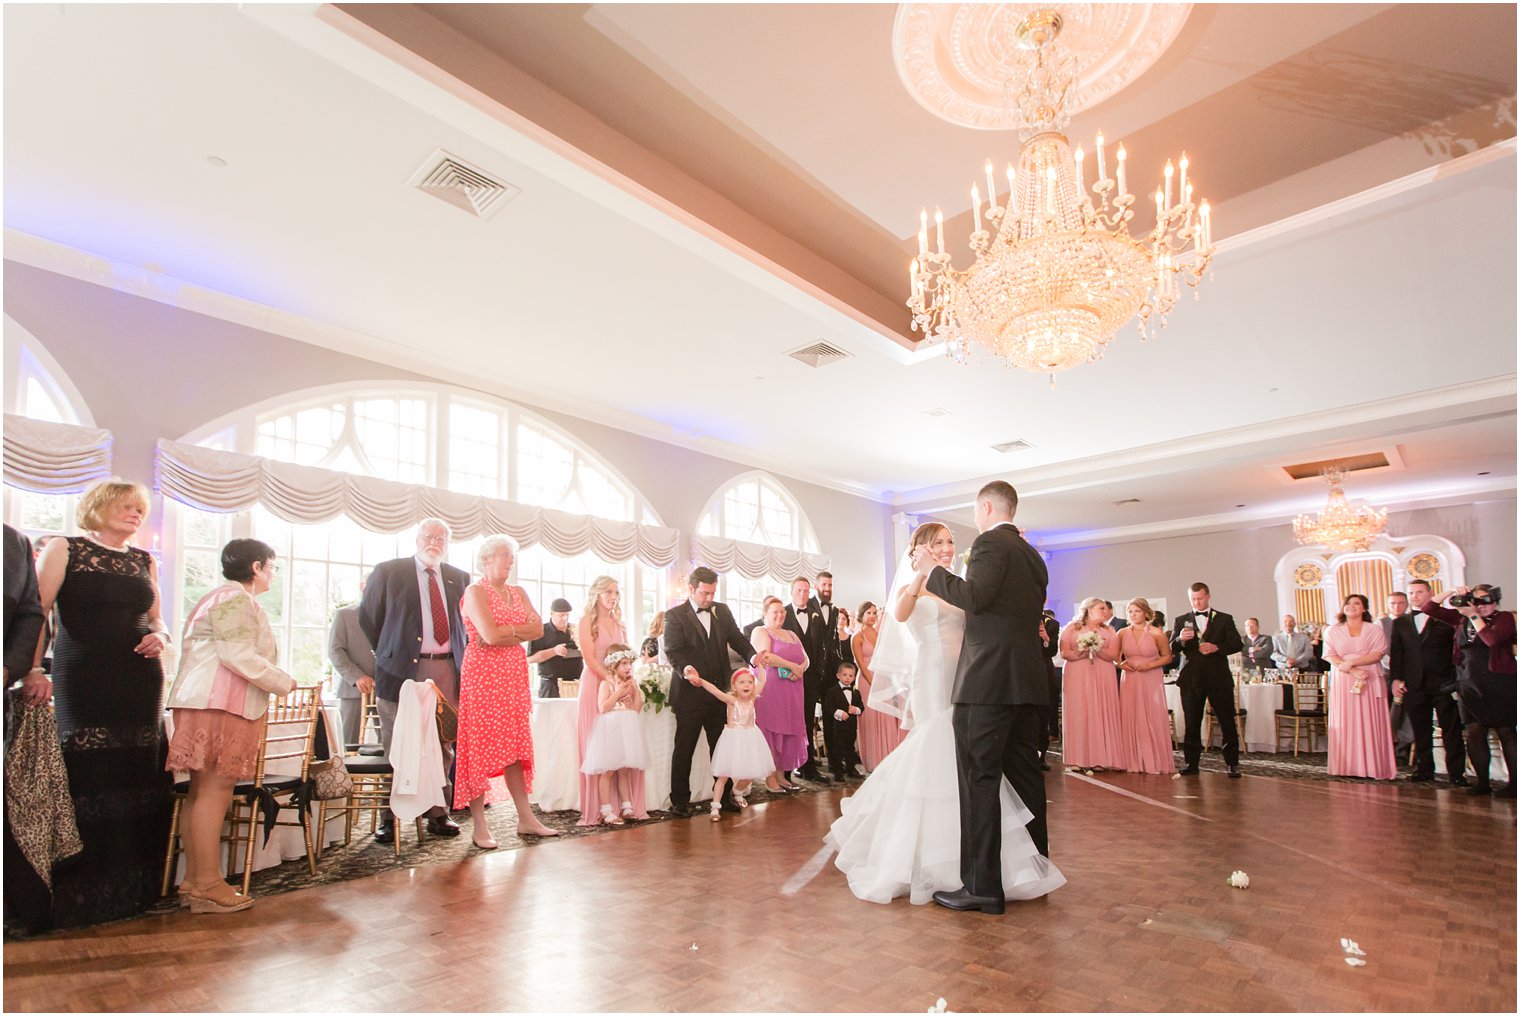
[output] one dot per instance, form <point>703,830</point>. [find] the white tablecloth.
<point>1261,702</point>
<point>286,843</point>
<point>557,759</point>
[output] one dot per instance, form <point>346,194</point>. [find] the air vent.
<point>1126,500</point>
<point>819,354</point>
<point>1347,463</point>
<point>462,185</point>
<point>936,412</point>
<point>1017,445</point>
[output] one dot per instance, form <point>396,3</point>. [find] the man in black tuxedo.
<point>1050,645</point>
<point>805,620</point>
<point>1423,675</point>
<point>698,636</point>
<point>1001,692</point>
<point>1203,640</point>
<point>842,706</point>
<point>410,615</point>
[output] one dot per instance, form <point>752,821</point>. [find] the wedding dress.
<point>899,834</point>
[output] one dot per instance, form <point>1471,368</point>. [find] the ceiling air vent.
<point>1126,500</point>
<point>462,185</point>
<point>936,412</point>
<point>819,354</point>
<point>1346,463</point>
<point>1017,445</point>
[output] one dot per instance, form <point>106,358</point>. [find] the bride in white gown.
<point>899,834</point>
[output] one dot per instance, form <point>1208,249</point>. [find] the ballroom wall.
<point>148,370</point>
<point>1238,565</point>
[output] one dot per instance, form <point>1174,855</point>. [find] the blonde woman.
<point>108,692</point>
<point>601,626</point>
<point>1145,736</point>
<point>1090,737</point>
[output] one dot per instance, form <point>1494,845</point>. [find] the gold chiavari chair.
<point>289,746</point>
<point>371,772</point>
<point>1240,719</point>
<point>1307,713</point>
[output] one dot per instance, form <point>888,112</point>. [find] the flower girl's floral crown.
<point>619,655</point>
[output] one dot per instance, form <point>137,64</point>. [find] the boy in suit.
<point>842,706</point>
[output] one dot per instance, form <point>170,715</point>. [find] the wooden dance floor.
<point>686,915</point>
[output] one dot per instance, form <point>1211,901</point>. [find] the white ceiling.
<point>584,297</point>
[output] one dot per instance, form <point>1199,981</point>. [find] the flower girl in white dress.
<point>742,754</point>
<point>616,745</point>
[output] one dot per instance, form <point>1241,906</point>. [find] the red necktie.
<point>440,615</point>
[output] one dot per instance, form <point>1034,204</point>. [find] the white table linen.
<point>557,759</point>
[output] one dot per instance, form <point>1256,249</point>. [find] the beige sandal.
<point>219,898</point>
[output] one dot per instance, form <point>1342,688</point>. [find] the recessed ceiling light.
<point>936,412</point>
<point>1240,506</point>
<point>217,161</point>
<point>1271,390</point>
<point>1127,500</point>
<point>1484,473</point>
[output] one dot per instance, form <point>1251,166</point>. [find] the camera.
<point>1476,598</point>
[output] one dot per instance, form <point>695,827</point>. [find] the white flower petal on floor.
<point>1351,947</point>
<point>1352,961</point>
<point>1240,880</point>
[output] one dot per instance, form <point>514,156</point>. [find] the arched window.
<point>427,434</point>
<point>757,509</point>
<point>36,387</point>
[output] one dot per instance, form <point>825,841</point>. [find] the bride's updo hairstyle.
<point>924,535</point>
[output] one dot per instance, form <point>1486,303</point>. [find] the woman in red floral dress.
<point>495,739</point>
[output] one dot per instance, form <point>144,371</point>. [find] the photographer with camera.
<point>1485,657</point>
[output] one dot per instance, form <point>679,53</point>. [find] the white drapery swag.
<point>755,560</point>
<point>54,458</point>
<point>221,481</point>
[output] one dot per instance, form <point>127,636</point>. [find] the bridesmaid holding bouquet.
<point>1090,737</point>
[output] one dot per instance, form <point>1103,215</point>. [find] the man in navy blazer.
<point>410,614</point>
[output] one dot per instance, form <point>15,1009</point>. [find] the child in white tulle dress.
<point>742,754</point>
<point>616,746</point>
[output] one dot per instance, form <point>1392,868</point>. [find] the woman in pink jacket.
<point>227,672</point>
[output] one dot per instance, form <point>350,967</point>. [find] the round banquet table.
<point>1260,700</point>
<point>557,759</point>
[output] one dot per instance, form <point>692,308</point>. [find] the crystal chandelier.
<point>1343,525</point>
<point>1057,272</point>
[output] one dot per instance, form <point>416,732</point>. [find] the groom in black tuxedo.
<point>1000,695</point>
<point>698,636</point>
<point>1203,640</point>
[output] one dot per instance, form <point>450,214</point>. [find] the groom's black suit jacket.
<point>1002,659</point>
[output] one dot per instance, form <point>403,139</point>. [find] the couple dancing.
<point>944,816</point>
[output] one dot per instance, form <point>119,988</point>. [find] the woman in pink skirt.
<point>601,625</point>
<point>1090,737</point>
<point>1361,739</point>
<point>879,732</point>
<point>1145,729</point>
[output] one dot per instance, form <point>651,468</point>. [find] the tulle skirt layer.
<point>899,834</point>
<point>617,742</point>
<point>742,754</point>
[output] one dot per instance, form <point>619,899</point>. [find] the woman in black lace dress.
<point>108,690</point>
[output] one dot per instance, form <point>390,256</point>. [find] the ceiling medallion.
<point>962,61</point>
<point>1056,271</point>
<point>1343,525</point>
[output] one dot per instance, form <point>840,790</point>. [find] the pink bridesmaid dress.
<point>586,701</point>
<point>1090,703</point>
<point>1145,730</point>
<point>879,732</point>
<point>1361,738</point>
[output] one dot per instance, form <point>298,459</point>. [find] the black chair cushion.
<point>1302,713</point>
<point>372,749</point>
<point>365,765</point>
<point>278,784</point>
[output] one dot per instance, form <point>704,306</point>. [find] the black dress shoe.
<point>1234,772</point>
<point>386,833</point>
<point>1460,781</point>
<point>811,772</point>
<point>1480,789</point>
<point>442,825</point>
<point>1420,778</point>
<point>1188,771</point>
<point>1508,791</point>
<point>960,899</point>
<point>681,810</point>
<point>731,806</point>
<point>1045,766</point>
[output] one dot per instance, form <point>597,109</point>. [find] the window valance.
<point>755,560</point>
<point>54,458</point>
<point>221,481</point>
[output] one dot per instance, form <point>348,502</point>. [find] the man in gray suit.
<point>353,663</point>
